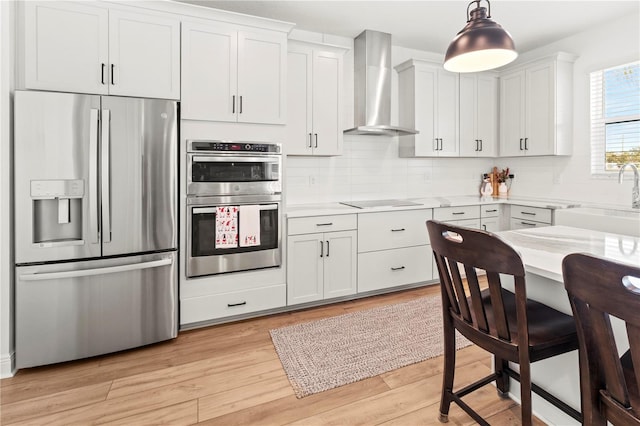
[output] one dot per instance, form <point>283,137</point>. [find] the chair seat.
<point>551,332</point>
<point>630,379</point>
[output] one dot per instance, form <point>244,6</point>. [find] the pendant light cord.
<point>477,2</point>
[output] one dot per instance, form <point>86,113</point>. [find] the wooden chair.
<point>508,325</point>
<point>599,288</point>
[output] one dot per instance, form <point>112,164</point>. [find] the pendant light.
<point>481,45</point>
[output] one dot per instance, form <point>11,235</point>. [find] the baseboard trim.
<point>7,365</point>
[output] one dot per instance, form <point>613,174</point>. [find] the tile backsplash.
<point>371,169</point>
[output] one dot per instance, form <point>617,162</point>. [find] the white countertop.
<point>542,249</point>
<point>322,209</point>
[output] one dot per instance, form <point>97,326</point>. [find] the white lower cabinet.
<point>216,306</point>
<point>490,217</point>
<point>393,249</point>
<point>378,270</point>
<point>529,217</point>
<point>321,265</point>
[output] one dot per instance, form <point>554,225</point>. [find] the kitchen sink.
<point>601,219</point>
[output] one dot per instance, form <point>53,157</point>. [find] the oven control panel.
<point>234,147</point>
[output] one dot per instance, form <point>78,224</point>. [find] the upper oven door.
<point>222,174</point>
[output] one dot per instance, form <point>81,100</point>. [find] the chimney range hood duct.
<point>372,86</point>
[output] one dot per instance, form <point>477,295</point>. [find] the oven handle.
<point>219,159</point>
<point>199,210</point>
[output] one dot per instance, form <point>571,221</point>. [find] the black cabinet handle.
<point>310,141</point>
<point>484,227</point>
<point>112,80</point>
<point>528,223</point>
<point>457,213</point>
<point>316,135</point>
<point>520,144</point>
<point>240,111</point>
<point>233,104</point>
<point>327,249</point>
<point>528,213</point>
<point>324,224</point>
<point>398,268</point>
<point>321,248</point>
<point>398,230</point>
<point>476,145</point>
<point>231,305</point>
<point>491,211</point>
<point>526,140</point>
<point>480,144</point>
<point>102,73</point>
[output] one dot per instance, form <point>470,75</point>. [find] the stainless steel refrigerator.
<point>95,191</point>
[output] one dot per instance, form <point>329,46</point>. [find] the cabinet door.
<point>447,113</point>
<point>66,47</point>
<point>304,268</point>
<point>512,114</point>
<point>262,62</point>
<point>209,72</point>
<point>490,224</point>
<point>540,118</point>
<point>327,103</point>
<point>487,115</point>
<point>469,146</point>
<point>340,263</point>
<point>144,55</point>
<point>299,112</point>
<point>425,112</point>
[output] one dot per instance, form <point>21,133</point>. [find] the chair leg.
<point>525,394</point>
<point>449,369</point>
<point>502,383</point>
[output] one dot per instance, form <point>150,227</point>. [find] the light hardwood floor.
<point>230,375</point>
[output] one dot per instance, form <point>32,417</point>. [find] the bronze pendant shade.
<point>481,45</point>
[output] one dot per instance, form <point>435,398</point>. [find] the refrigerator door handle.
<point>105,177</point>
<point>94,232</point>
<point>95,271</point>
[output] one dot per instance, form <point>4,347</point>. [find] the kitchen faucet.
<point>635,192</point>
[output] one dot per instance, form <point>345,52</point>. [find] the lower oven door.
<point>227,234</point>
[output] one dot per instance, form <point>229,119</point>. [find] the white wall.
<point>7,11</point>
<point>370,167</point>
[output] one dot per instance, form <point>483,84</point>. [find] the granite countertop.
<point>542,249</point>
<point>322,209</point>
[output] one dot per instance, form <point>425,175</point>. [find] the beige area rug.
<point>332,352</point>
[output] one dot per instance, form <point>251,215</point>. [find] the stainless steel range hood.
<point>372,86</point>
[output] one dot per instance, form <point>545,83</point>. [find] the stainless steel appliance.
<point>234,217</point>
<point>96,224</point>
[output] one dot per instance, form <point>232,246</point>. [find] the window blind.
<point>615,117</point>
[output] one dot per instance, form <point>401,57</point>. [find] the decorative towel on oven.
<point>226,227</point>
<point>249,225</point>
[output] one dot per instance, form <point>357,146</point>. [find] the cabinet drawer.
<point>215,306</point>
<point>390,268</point>
<point>456,213</point>
<point>490,210</point>
<point>469,223</point>
<point>516,223</point>
<point>536,214</point>
<point>309,225</point>
<point>389,230</point>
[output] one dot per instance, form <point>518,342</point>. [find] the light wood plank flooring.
<point>230,375</point>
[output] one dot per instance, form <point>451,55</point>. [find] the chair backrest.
<point>458,248</point>
<point>598,289</point>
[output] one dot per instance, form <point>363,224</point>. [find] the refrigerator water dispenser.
<point>57,211</point>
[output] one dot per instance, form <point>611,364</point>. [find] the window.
<point>615,118</point>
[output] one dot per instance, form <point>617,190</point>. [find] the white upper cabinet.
<point>144,55</point>
<point>478,115</point>
<point>88,48</point>
<point>232,74</point>
<point>428,103</point>
<point>314,100</point>
<point>536,108</point>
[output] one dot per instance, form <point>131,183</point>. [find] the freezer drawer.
<point>74,310</point>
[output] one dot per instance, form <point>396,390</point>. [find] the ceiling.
<point>431,25</point>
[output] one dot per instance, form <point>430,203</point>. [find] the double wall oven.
<point>234,192</point>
